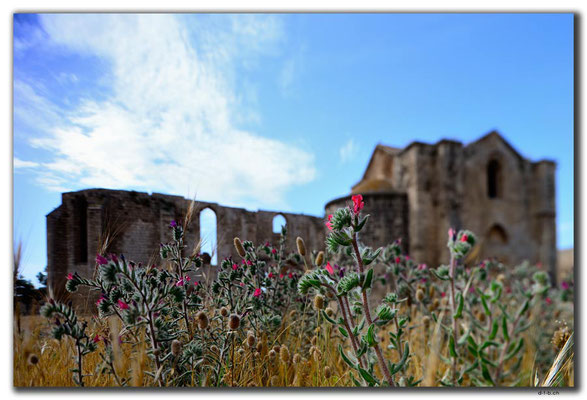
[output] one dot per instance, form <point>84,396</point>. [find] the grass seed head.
<point>320,258</point>
<point>327,372</point>
<point>301,246</point>
<point>175,347</point>
<point>318,302</point>
<point>284,354</point>
<point>238,245</point>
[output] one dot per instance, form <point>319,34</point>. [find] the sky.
<point>273,111</point>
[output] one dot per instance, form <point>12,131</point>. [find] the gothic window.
<point>208,236</point>
<point>493,179</point>
<point>278,222</point>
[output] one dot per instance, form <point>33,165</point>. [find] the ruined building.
<point>415,193</point>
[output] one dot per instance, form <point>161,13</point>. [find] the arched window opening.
<point>278,223</point>
<point>208,236</point>
<point>497,235</point>
<point>493,179</point>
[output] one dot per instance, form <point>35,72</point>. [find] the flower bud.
<point>238,245</point>
<point>301,246</point>
<point>320,259</point>
<point>233,322</point>
<point>175,347</point>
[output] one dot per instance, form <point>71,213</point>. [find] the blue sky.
<point>277,112</point>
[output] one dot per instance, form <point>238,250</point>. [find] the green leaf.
<point>516,349</point>
<point>486,374</point>
<point>368,377</point>
<point>345,357</point>
<point>485,306</point>
<point>328,318</point>
<point>371,339</point>
<point>368,280</point>
<point>504,328</point>
<point>343,331</point>
<point>494,328</point>
<point>459,312</point>
<point>451,346</point>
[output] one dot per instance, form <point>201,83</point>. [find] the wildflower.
<point>398,260</point>
<point>242,284</point>
<point>97,338</point>
<point>234,267</point>
<point>290,275</point>
<point>270,275</point>
<point>69,276</point>
<point>451,233</point>
<point>422,267</point>
<point>443,294</point>
<point>329,222</point>
<point>329,268</point>
<point>239,247</point>
<point>257,292</point>
<point>196,283</point>
<point>301,246</point>
<point>173,224</point>
<point>180,282</point>
<point>101,260</point>
<point>280,275</point>
<point>122,305</point>
<point>100,300</point>
<point>548,301</point>
<point>423,280</point>
<point>560,337</point>
<point>565,285</point>
<point>274,251</point>
<point>358,203</point>
<point>464,238</point>
<point>249,263</point>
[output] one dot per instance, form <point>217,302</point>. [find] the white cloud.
<point>348,151</point>
<point>20,164</point>
<point>169,124</point>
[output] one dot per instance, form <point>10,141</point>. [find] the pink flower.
<point>97,338</point>
<point>101,299</point>
<point>329,268</point>
<point>270,275</point>
<point>274,251</point>
<point>397,260</point>
<point>180,282</point>
<point>423,280</point>
<point>442,294</point>
<point>69,276</point>
<point>290,275</point>
<point>358,203</point>
<point>451,233</point>
<point>173,224</point>
<point>234,267</point>
<point>101,260</point>
<point>548,301</point>
<point>249,263</point>
<point>280,275</point>
<point>422,267</point>
<point>187,278</point>
<point>564,285</point>
<point>329,222</point>
<point>257,292</point>
<point>471,289</point>
<point>464,238</point>
<point>407,257</point>
<point>267,244</point>
<point>122,305</point>
<point>242,284</point>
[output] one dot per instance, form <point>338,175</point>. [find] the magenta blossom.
<point>97,338</point>
<point>451,233</point>
<point>329,268</point>
<point>122,305</point>
<point>69,276</point>
<point>274,251</point>
<point>548,301</point>
<point>101,260</point>
<point>397,260</point>
<point>180,282</point>
<point>101,299</point>
<point>242,284</point>
<point>173,224</point>
<point>565,285</point>
<point>270,275</point>
<point>358,203</point>
<point>234,267</point>
<point>290,275</point>
<point>257,292</point>
<point>422,267</point>
<point>329,222</point>
<point>464,238</point>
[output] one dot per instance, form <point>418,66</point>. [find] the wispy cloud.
<point>20,164</point>
<point>169,124</point>
<point>348,151</point>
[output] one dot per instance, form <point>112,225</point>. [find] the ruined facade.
<point>415,193</point>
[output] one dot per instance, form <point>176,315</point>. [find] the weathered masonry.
<point>415,193</point>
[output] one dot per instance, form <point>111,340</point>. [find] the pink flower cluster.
<point>183,281</point>
<point>358,203</point>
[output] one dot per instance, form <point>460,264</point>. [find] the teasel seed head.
<point>259,347</point>
<point>329,311</point>
<point>277,348</point>
<point>175,347</point>
<point>284,354</point>
<point>435,304</point>
<point>560,337</point>
<point>238,245</point>
<point>251,341</point>
<point>33,359</point>
<point>272,354</point>
<point>256,354</point>
<point>327,372</point>
<point>444,301</point>
<point>318,302</point>
<point>419,294</point>
<point>301,246</point>
<point>233,322</point>
<point>317,355</point>
<point>320,259</point>
<point>224,312</point>
<point>203,321</point>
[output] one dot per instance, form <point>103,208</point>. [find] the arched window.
<point>208,236</point>
<point>493,179</point>
<point>278,222</point>
<point>497,235</point>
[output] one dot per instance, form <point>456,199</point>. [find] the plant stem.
<point>380,358</point>
<point>453,311</point>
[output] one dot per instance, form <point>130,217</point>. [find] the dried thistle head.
<point>272,354</point>
<point>203,320</point>
<point>238,245</point>
<point>175,347</point>
<point>327,372</point>
<point>432,290</point>
<point>320,258</point>
<point>224,312</point>
<point>233,322</point>
<point>251,340</point>
<point>241,352</point>
<point>301,246</point>
<point>277,348</point>
<point>259,347</point>
<point>284,354</point>
<point>318,302</point>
